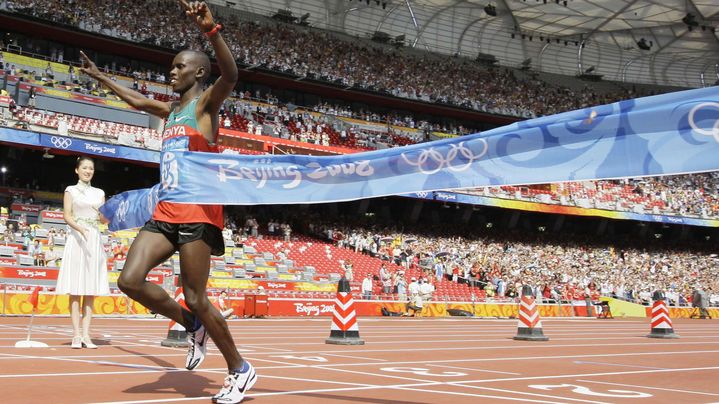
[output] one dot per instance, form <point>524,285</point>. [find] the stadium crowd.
<point>694,195</point>
<point>319,124</point>
<point>494,263</point>
<point>558,267</point>
<point>689,195</point>
<point>324,56</point>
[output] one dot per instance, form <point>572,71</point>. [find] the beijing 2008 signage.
<point>50,216</point>
<point>32,210</point>
<point>55,142</point>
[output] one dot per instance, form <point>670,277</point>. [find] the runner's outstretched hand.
<point>199,11</point>
<point>88,67</point>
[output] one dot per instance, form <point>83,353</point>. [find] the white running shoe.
<point>198,347</point>
<point>236,385</point>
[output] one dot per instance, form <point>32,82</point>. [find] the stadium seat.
<point>25,260</point>
<point>6,251</point>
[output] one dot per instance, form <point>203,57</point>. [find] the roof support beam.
<point>464,32</point>
<point>609,19</point>
<point>435,15</point>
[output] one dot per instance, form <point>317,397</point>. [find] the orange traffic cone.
<point>176,334</point>
<point>661,323</point>
<point>344,330</point>
<point>530,325</point>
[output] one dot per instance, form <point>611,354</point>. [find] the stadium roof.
<point>680,44</point>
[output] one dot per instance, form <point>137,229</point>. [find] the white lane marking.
<point>379,375</point>
<point>93,362</point>
<point>264,347</point>
<point>526,393</point>
<point>409,387</point>
<point>302,358</point>
<point>422,372</point>
<point>473,369</point>
<point>520,358</point>
<point>650,388</point>
<point>333,366</point>
<point>3,357</point>
<point>319,381</point>
<point>589,392</point>
<point>134,372</point>
<point>504,340</point>
<point>634,372</point>
<point>617,365</point>
<point>455,393</point>
<point>357,357</point>
<point>288,364</point>
<point>375,338</point>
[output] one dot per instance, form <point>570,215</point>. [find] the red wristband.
<point>214,31</point>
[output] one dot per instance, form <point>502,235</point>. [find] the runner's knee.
<point>128,284</point>
<point>196,302</point>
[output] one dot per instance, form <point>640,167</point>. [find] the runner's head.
<point>189,68</point>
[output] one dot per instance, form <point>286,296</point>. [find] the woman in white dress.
<point>83,272</point>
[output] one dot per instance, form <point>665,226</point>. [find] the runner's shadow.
<point>174,379</point>
<point>187,384</point>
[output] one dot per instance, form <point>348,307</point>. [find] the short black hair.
<point>202,60</point>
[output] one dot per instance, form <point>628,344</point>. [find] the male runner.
<point>195,230</point>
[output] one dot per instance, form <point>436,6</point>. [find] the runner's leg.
<point>195,269</point>
<point>148,251</point>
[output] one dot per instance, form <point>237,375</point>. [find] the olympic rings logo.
<point>714,132</point>
<point>435,158</point>
<point>60,142</point>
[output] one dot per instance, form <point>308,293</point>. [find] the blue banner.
<point>676,133</point>
<point>130,209</point>
<point>673,133</point>
<point>56,142</point>
<point>19,136</point>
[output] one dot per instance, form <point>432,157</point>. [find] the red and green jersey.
<point>182,134</point>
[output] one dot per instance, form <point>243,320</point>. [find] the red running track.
<point>461,360</point>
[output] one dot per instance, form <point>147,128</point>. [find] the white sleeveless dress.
<point>84,264</point>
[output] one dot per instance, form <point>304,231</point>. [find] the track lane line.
<point>511,379</point>
<point>650,388</point>
<point>527,393</point>
<point>471,369</point>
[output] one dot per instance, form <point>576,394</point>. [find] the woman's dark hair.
<point>81,159</point>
